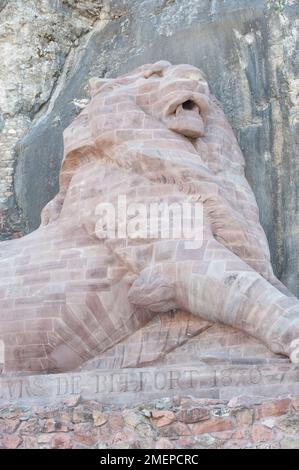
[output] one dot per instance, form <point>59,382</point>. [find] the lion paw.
<point>153,291</point>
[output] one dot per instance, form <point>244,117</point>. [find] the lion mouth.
<point>187,106</point>
<point>186,116</point>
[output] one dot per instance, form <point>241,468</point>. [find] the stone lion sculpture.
<point>68,294</point>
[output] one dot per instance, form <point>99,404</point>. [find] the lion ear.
<point>156,68</point>
<point>95,84</point>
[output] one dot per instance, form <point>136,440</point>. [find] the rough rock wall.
<point>183,423</point>
<point>246,48</point>
<point>37,38</point>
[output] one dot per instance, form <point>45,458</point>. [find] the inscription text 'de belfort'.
<point>122,385</point>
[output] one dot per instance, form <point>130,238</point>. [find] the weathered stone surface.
<point>258,54</point>
<point>212,425</point>
<point>71,291</point>
<point>11,441</point>
<point>38,41</point>
<point>127,428</point>
<point>251,68</point>
<point>125,386</point>
<point>162,418</point>
<point>261,433</point>
<point>244,417</point>
<point>99,418</point>
<point>289,425</point>
<point>193,415</point>
<point>275,408</point>
<point>289,443</point>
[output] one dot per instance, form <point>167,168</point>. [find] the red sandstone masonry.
<point>163,424</point>
<point>158,135</point>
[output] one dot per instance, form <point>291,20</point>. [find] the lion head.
<point>154,105</point>
<point>153,102</point>
<point>176,95</point>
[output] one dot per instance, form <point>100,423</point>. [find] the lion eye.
<point>109,87</point>
<point>154,74</point>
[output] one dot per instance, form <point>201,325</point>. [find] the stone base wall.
<point>179,423</point>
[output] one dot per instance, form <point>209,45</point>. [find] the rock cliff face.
<point>50,48</point>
